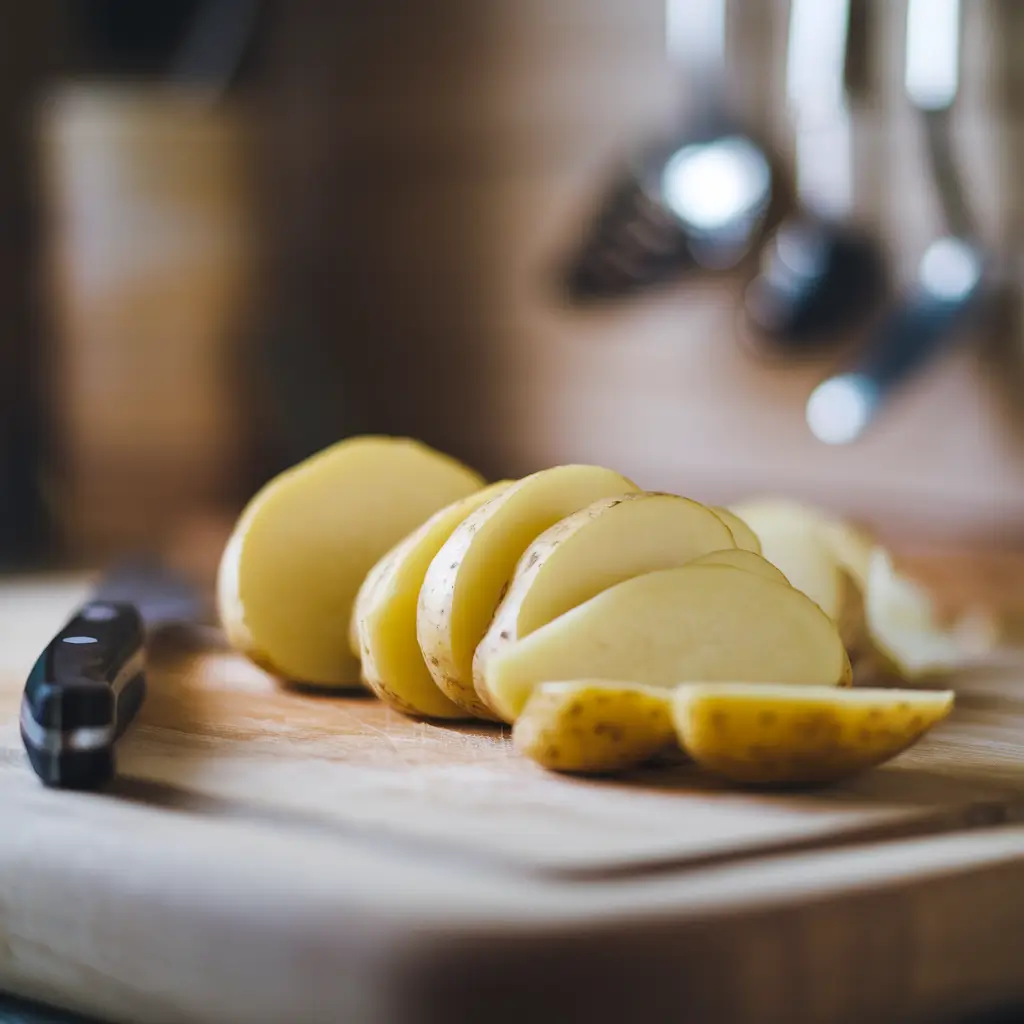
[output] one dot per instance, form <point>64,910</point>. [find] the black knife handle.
<point>82,692</point>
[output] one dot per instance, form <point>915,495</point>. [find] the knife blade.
<point>89,682</point>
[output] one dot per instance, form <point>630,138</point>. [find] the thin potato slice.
<point>467,577</point>
<point>743,535</point>
<point>704,622</point>
<point>763,734</point>
<point>609,541</point>
<point>793,540</point>
<point>905,629</point>
<point>741,558</point>
<point>385,615</point>
<point>303,545</point>
<point>850,545</point>
<point>594,726</point>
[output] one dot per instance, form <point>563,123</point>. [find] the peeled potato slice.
<point>594,725</point>
<point>740,558</point>
<point>304,544</point>
<point>385,615</point>
<point>905,630</point>
<point>757,733</point>
<point>467,577</point>
<point>792,540</point>
<point>603,544</point>
<point>705,622</point>
<point>743,535</point>
<point>850,545</point>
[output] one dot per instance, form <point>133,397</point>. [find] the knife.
<point>89,682</point>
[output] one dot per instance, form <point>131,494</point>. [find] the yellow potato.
<point>705,622</point>
<point>385,615</point>
<point>793,540</point>
<point>304,544</point>
<point>363,595</point>
<point>757,733</point>
<point>908,638</point>
<point>744,536</point>
<point>466,579</point>
<point>850,545</point>
<point>603,544</point>
<point>594,725</point>
<point>742,558</point>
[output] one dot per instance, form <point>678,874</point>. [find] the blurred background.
<point>232,232</point>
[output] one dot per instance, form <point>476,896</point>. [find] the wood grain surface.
<point>270,855</point>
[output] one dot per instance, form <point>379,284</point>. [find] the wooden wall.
<point>426,166</point>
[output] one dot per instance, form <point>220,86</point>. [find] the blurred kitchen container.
<point>148,262</point>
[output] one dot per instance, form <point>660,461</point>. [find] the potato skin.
<point>594,727</point>
<point>784,737</point>
<point>691,531</point>
<point>434,607</point>
<point>470,575</point>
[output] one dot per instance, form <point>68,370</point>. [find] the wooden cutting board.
<point>275,855</point>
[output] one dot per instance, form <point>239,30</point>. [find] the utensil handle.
<point>82,693</point>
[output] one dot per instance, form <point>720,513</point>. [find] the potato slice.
<point>850,545</point>
<point>744,536</point>
<point>467,577</point>
<point>905,630</point>
<point>793,542</point>
<point>741,558</point>
<point>612,540</point>
<point>703,622</point>
<point>757,733</point>
<point>304,544</point>
<point>385,615</point>
<point>594,725</point>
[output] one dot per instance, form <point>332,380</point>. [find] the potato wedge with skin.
<point>797,548</point>
<point>467,578</point>
<point>385,564</point>
<point>743,535</point>
<point>706,622</point>
<point>594,726</point>
<point>741,558</point>
<point>305,542</point>
<point>850,545</point>
<point>760,734</point>
<point>609,541</point>
<point>362,599</point>
<point>385,613</point>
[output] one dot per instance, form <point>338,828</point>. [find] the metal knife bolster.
<point>82,692</point>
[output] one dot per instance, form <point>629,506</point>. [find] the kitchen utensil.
<point>696,199</point>
<point>950,278</point>
<point>88,684</point>
<point>819,273</point>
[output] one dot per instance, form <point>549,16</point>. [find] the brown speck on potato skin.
<point>532,560</point>
<point>504,634</point>
<point>612,730</point>
<point>433,661</point>
<point>575,709</point>
<point>454,565</point>
<point>552,753</point>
